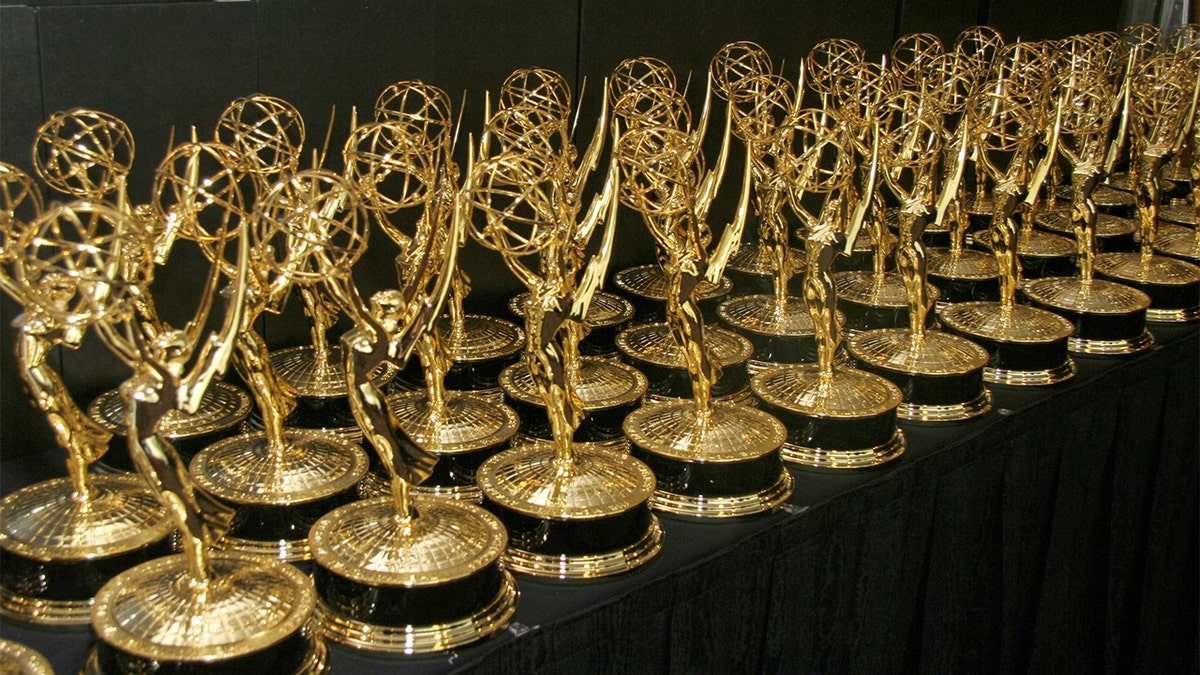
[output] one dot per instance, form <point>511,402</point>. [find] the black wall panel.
<point>943,18</point>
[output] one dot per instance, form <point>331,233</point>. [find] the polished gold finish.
<point>649,281</point>
<point>529,194</point>
<point>663,177</point>
<point>17,659</point>
<point>57,266</point>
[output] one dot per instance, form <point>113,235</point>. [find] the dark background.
<point>159,65</point>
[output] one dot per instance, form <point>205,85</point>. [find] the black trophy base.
<point>299,654</point>
<point>1109,318</point>
<point>1173,285</point>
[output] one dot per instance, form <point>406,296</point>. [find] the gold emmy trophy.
<point>837,417</point>
<point>1041,253</point>
<point>1028,345</point>
<point>268,132</point>
<point>712,459</point>
<point>88,154</point>
<point>642,92</point>
<point>786,150</point>
<point>941,374</point>
<point>876,297</point>
<point>644,95</point>
<point>62,539</point>
<point>532,125</point>
<point>960,273</point>
<point>461,428</point>
<point>1162,97</point>
<point>1109,318</point>
<point>281,479</point>
<point>405,573</point>
<point>198,611</point>
<point>479,347</point>
<point>573,509</point>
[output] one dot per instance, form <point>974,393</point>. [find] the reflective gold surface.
<point>936,354</point>
<point>654,343</point>
<point>222,407</point>
<point>17,659</point>
<point>648,281</point>
<point>599,382</point>
<point>728,433</point>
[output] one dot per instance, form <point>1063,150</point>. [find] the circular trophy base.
<point>780,332</point>
<point>252,613</point>
<point>429,583</point>
<point>17,659</point>
<point>576,519</point>
<point>966,276</point>
<point>1173,285</point>
<point>1181,213</point>
<point>316,377</point>
<point>652,349</point>
<point>222,408</point>
<point>1109,318</point>
<point>608,389</point>
<point>647,288</point>
<point>752,269</point>
<point>1028,346</point>
<point>1042,254</point>
<point>870,302</point>
<point>1123,181</point>
<point>482,348</point>
<point>607,315</point>
<point>722,464</point>
<point>844,421</point>
<point>941,374</point>
<point>1113,233</point>
<point>57,551</point>
<point>279,494</point>
<point>1178,242</point>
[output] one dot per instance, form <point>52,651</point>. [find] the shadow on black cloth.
<point>1058,533</point>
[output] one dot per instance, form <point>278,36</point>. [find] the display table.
<point>1057,533</point>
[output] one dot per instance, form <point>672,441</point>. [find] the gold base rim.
<point>1160,315</point>
<point>46,613</point>
<point>423,639</point>
<point>955,412</point>
<point>725,507</point>
<point>315,663</point>
<point>1111,347</point>
<point>372,485</point>
<point>28,661</point>
<point>588,566</point>
<point>818,458</point>
<point>1031,378</point>
<point>283,550</point>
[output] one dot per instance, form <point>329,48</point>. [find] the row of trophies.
<point>248,528</point>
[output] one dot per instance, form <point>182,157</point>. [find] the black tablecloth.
<point>1058,533</point>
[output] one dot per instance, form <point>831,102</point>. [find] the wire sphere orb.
<point>83,153</point>
<point>539,88</point>
<point>392,165</point>
<point>659,170</point>
<point>267,133</point>
<point>20,204</point>
<point>636,73</point>
<point>419,106</point>
<point>735,63</point>
<point>310,226</point>
<point>200,186</point>
<point>512,191</point>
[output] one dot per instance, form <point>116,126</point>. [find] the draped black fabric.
<point>1058,533</point>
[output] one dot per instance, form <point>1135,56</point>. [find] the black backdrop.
<point>164,65</point>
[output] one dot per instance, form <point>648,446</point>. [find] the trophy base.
<point>1109,318</point>
<point>1179,243</point>
<point>651,349</point>
<point>1113,234</point>
<point>17,659</point>
<point>1181,214</point>
<point>1028,346</point>
<point>965,276</point>
<point>780,332</point>
<point>646,287</point>
<point>870,302</point>
<point>1042,254</point>
<point>314,376</point>
<point>722,464</point>
<point>222,409</point>
<point>941,375</point>
<point>251,615</point>
<point>608,389</point>
<point>56,551</point>
<point>478,353</point>
<point>843,420</point>
<point>429,583</point>
<point>1173,285</point>
<point>581,518</point>
<point>607,315</point>
<point>752,269</point>
<point>279,495</point>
